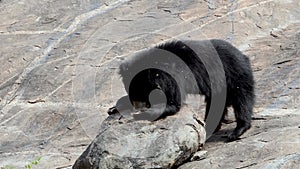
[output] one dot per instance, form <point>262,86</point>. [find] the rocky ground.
<point>59,61</point>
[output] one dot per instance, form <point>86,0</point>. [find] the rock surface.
<point>128,143</point>
<point>58,73</point>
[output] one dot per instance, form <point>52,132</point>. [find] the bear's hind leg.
<point>243,113</point>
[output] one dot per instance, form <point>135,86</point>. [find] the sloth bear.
<point>165,74</point>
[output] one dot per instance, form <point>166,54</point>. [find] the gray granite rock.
<point>127,143</point>
<point>58,68</point>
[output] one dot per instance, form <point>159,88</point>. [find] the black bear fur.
<point>237,69</point>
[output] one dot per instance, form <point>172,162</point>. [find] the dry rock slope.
<point>58,73</point>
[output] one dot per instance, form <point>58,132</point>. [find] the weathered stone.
<point>200,155</point>
<point>44,44</point>
<point>127,143</point>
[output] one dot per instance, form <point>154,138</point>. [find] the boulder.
<point>126,143</point>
